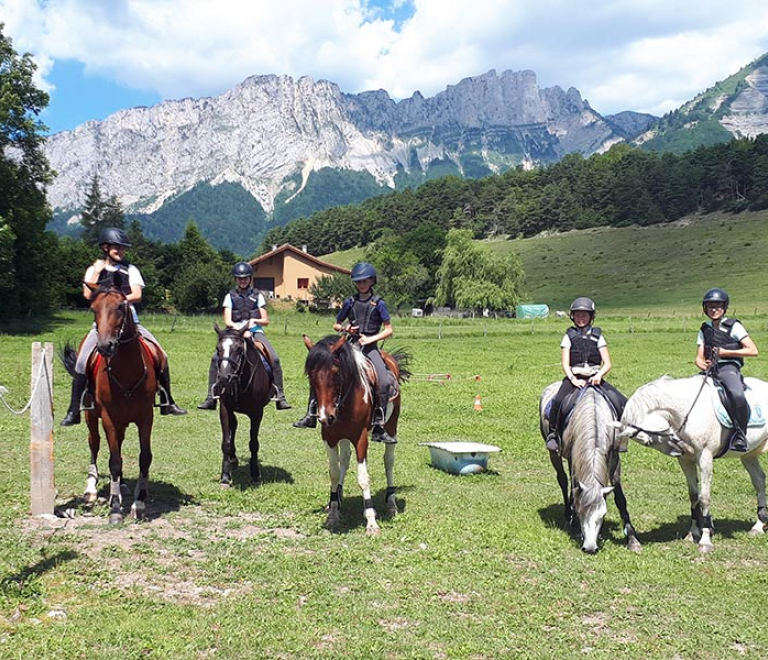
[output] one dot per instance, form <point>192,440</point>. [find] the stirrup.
<point>552,442</point>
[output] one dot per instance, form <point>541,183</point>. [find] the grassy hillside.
<point>661,269</point>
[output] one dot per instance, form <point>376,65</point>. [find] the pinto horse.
<point>338,374</point>
<point>122,372</point>
<point>243,385</point>
<point>593,463</point>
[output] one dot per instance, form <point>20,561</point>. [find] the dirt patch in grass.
<point>164,556</point>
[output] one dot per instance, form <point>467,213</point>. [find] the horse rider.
<point>246,306</point>
<point>113,242</point>
<point>585,361</point>
<point>723,343</point>
<point>365,317</point>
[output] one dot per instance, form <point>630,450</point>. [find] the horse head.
<point>334,368</point>
<point>114,321</point>
<point>591,508</point>
<point>232,354</point>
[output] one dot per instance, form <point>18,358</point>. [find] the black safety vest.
<point>584,350</point>
<point>721,337</point>
<point>107,278</point>
<point>245,305</point>
<point>361,315</point>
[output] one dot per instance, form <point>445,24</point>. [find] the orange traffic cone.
<point>478,403</point>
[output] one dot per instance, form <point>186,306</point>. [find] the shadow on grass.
<point>12,584</point>
<point>163,498</point>
<point>725,528</point>
<point>37,326</point>
<point>351,513</point>
<point>270,474</point>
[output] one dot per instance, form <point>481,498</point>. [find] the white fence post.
<point>43,490</point>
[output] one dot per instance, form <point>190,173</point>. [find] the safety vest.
<point>245,305</point>
<point>584,350</point>
<point>361,314</point>
<point>721,337</point>
<point>107,277</point>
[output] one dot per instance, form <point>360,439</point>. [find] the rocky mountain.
<point>736,107</point>
<point>298,146</point>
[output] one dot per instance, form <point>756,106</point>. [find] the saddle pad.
<point>756,417</point>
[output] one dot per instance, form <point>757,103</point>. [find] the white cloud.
<point>643,55</point>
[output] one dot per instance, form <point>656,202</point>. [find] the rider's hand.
<point>577,382</point>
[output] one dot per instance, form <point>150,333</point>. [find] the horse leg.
<point>752,466</point>
<point>364,480</point>
<point>228,426</point>
<point>705,467</point>
<point>334,472</point>
<point>138,508</point>
<point>115,439</point>
<point>94,441</point>
<point>345,454</point>
<point>633,543</point>
<point>688,466</point>
<point>389,468</point>
<point>562,480</point>
<point>253,445</point>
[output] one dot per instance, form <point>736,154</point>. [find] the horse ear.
<point>218,330</point>
<point>308,342</point>
<point>339,343</point>
<point>607,490</point>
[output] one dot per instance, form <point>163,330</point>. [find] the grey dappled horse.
<point>593,463</point>
<point>677,417</point>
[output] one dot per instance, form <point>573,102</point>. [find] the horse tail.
<point>68,357</point>
<point>403,357</point>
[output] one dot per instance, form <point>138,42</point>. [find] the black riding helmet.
<point>242,269</point>
<point>362,271</point>
<point>583,304</point>
<point>114,236</point>
<point>715,295</point>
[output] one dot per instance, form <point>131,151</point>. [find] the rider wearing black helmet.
<point>113,242</point>
<point>365,316</point>
<point>724,343</point>
<point>246,306</point>
<point>585,361</point>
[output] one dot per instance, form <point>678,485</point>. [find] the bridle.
<point>237,363</point>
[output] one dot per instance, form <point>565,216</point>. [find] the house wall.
<point>287,268</point>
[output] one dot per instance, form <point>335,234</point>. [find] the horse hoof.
<point>373,531</point>
<point>391,512</point>
<point>706,549</point>
<point>89,499</point>
<point>137,510</point>
<point>634,546</point>
<point>225,485</point>
<point>115,518</point>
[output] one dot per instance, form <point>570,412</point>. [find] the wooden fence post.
<point>43,490</point>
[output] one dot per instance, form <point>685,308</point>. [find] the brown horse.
<point>340,377</point>
<point>123,377</point>
<point>244,386</point>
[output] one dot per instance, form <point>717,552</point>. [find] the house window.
<point>302,283</point>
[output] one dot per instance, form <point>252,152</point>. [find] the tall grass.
<point>476,567</point>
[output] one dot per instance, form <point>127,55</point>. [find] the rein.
<point>237,368</point>
<point>127,391</point>
<point>709,373</point>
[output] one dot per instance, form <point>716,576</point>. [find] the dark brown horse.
<point>123,377</point>
<point>243,385</point>
<point>340,376</point>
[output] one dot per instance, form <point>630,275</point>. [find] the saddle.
<point>393,385</point>
<point>720,404</point>
<point>569,404</point>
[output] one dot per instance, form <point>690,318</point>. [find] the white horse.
<point>593,463</point>
<point>678,417</point>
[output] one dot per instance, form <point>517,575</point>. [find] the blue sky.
<point>96,57</point>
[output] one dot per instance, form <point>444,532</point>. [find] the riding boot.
<point>309,421</point>
<point>280,402</point>
<point>553,440</point>
<point>210,399</point>
<point>167,404</point>
<point>378,432</point>
<point>738,441</point>
<point>78,388</point>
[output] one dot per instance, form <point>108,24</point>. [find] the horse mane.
<point>590,440</point>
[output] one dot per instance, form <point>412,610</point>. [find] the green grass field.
<point>476,567</point>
